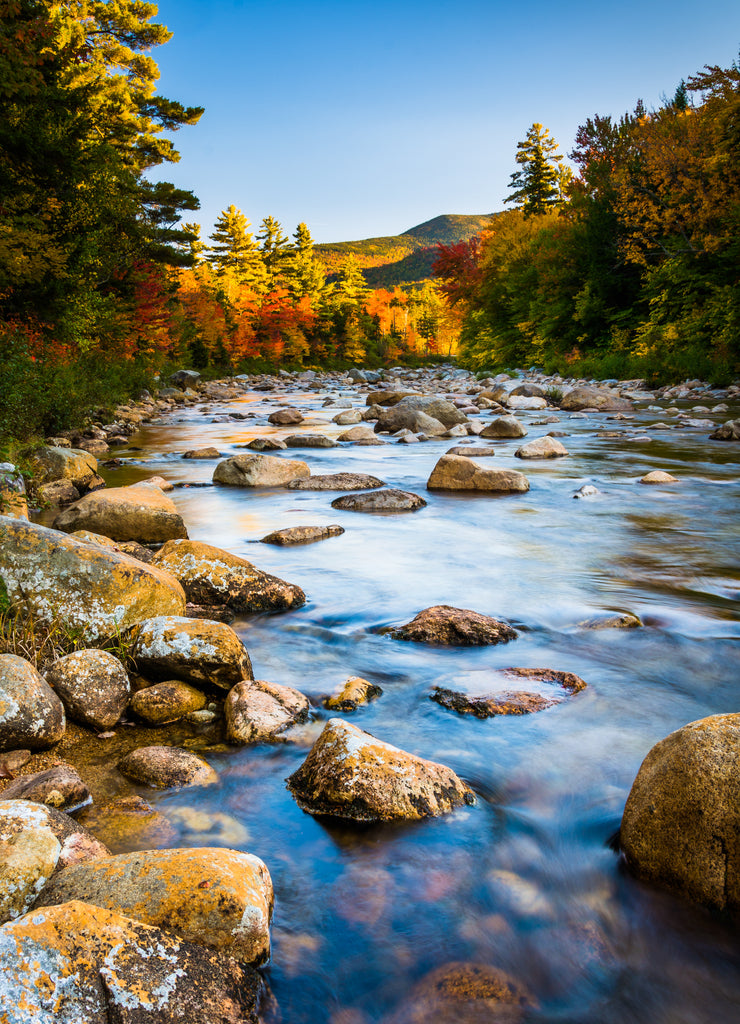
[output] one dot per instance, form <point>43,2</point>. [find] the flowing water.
<point>524,879</point>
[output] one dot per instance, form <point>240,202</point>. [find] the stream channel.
<point>524,879</point>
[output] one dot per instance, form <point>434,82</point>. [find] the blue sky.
<point>365,119</point>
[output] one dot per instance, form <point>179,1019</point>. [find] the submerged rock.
<point>351,774</point>
<point>624,620</point>
<point>60,787</point>
<point>390,500</point>
<point>211,576</point>
<point>217,898</point>
<point>520,702</point>
<point>447,626</point>
<point>81,961</point>
<point>681,823</point>
<point>354,692</point>
<point>464,993</point>
<point>302,534</point>
<point>167,768</point>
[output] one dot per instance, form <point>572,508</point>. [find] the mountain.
<point>406,258</point>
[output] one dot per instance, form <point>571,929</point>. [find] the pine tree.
<point>538,184</point>
<point>234,253</point>
<point>307,274</point>
<point>276,251</point>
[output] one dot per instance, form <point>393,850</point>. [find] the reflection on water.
<point>524,879</point>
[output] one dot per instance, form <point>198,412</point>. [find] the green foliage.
<point>538,185</point>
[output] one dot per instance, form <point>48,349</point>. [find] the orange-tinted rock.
<point>458,627</point>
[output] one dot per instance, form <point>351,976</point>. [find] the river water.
<point>524,879</point>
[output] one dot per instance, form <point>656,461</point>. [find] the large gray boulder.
<point>398,417</point>
<point>681,824</point>
<point>601,399</point>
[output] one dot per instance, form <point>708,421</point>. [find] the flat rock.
<point>258,711</point>
<point>302,534</point>
<point>358,433</point>
<point>202,453</point>
<point>72,964</point>
<point>337,482</point>
<point>193,650</point>
<point>351,774</point>
<point>681,824</point>
<point>389,500</point>
<point>212,576</point>
<point>461,473</point>
<point>459,627</point>
<point>310,441</point>
<point>525,402</point>
<point>542,448</point>
<point>221,899</point>
<point>504,426</point>
<point>167,768</point>
<point>354,692</point>
<point>31,714</point>
<point>167,702</point>
<point>519,702</point>
<point>93,685</point>
<point>472,452</point>
<point>139,512</point>
<point>60,787</point>
<point>265,444</point>
<point>259,471</point>
<point>622,620</point>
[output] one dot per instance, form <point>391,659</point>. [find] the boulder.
<point>166,768</point>
<point>60,787</point>
<point>166,702</point>
<point>355,691</point>
<point>438,408</point>
<point>622,620</point>
<point>93,685</point>
<point>262,444</point>
<point>472,451</point>
<point>337,482</point>
<point>211,576</point>
<point>528,390</point>
<point>594,398</point>
<point>259,471</point>
<point>524,402</point>
<point>12,492</point>
<point>53,464</point>
<point>351,774</point>
<point>285,417</point>
<point>681,824</point>
<point>184,378</point>
<point>77,843</point>
<point>388,397</point>
<point>59,492</point>
<point>542,448</point>
<point>27,861</point>
<point>302,534</point>
<point>31,714</point>
<point>389,500</point>
<point>309,441</point>
<point>519,702</point>
<point>464,993</point>
<point>729,431</point>
<point>81,585</point>
<point>217,898</point>
<point>504,426</point>
<point>399,417</point>
<point>348,417</point>
<point>257,711</point>
<point>459,473</point>
<point>358,433</point>
<point>193,650</point>
<point>79,964</point>
<point>458,627</point>
<point>140,512</point>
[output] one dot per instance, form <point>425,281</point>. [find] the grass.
<point>42,643</point>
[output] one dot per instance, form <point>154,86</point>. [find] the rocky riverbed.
<point>387,691</point>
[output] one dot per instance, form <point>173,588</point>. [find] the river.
<point>524,879</point>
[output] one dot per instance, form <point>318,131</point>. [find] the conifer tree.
<point>308,276</point>
<point>276,251</point>
<point>234,253</point>
<point>538,185</point>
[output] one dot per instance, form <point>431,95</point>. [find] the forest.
<point>627,265</point>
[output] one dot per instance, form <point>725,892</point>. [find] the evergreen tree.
<point>275,249</point>
<point>538,185</point>
<point>308,276</point>
<point>234,253</point>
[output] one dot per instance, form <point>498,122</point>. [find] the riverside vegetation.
<point>157,790</point>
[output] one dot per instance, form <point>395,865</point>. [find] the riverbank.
<point>546,782</point>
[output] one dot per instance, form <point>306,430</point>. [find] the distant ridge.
<point>406,258</point>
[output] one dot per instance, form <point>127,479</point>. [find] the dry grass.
<point>42,643</point>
